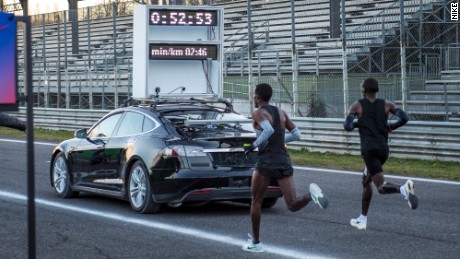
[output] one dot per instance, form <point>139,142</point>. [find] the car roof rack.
<point>178,100</point>
<point>210,123</point>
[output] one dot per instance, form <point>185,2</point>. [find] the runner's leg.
<point>293,203</point>
<point>259,185</point>
<point>367,195</point>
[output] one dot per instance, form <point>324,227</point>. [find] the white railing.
<point>418,139</point>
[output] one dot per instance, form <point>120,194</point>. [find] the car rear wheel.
<point>61,178</point>
<point>140,191</point>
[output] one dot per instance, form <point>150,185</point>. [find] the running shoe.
<point>251,247</point>
<point>358,223</point>
<point>412,200</point>
<point>317,196</point>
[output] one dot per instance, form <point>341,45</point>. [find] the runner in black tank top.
<point>373,133</point>
<point>273,162</point>
<point>273,158</point>
<point>374,130</point>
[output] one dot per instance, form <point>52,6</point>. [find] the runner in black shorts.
<point>375,158</point>
<point>273,161</point>
<point>373,127</point>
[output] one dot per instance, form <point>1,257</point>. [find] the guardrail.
<point>63,119</point>
<point>418,139</point>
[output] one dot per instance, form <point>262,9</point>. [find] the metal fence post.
<point>115,65</point>
<point>402,36</point>
<point>250,42</point>
<point>58,83</point>
<point>294,61</point>
<point>67,89</point>
<point>344,59</point>
<point>90,76</point>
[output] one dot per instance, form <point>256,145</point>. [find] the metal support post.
<point>344,60</point>
<point>115,64</point>
<point>90,75</point>
<point>250,46</point>
<point>67,91</point>
<point>30,132</point>
<point>294,62</point>
<point>402,36</point>
<point>58,85</point>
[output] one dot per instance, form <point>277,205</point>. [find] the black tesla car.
<point>169,152</point>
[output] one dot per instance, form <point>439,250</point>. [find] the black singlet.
<point>373,130</point>
<point>273,159</point>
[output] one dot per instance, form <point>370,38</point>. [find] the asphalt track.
<point>98,227</point>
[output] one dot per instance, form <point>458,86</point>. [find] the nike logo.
<point>3,27</point>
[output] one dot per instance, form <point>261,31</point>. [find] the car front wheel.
<point>61,178</point>
<point>140,192</point>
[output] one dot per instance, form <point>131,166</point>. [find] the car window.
<point>105,128</point>
<point>132,124</point>
<point>148,124</point>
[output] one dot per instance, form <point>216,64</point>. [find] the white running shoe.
<point>359,224</point>
<point>317,196</point>
<point>251,247</point>
<point>412,200</point>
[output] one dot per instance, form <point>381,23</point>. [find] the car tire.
<point>140,191</point>
<point>269,202</point>
<point>61,177</point>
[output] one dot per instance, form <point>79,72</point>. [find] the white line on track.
<point>184,230</point>
<point>335,171</point>
<point>25,141</point>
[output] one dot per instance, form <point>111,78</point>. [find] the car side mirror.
<point>81,133</point>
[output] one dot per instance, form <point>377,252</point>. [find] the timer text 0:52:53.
<point>183,17</point>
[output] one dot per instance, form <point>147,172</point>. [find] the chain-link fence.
<point>412,47</point>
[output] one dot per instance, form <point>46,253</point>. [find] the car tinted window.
<point>148,124</point>
<point>131,124</point>
<point>105,128</point>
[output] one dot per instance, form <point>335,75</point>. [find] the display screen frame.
<point>9,100</point>
<point>183,17</point>
<point>183,51</point>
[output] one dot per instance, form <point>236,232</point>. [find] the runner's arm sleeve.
<point>265,135</point>
<point>293,136</point>
<point>262,136</point>
<point>349,124</point>
<point>403,119</point>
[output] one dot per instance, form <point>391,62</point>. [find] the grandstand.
<point>369,25</point>
<point>99,75</point>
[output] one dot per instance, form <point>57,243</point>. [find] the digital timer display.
<point>182,52</point>
<point>183,17</point>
